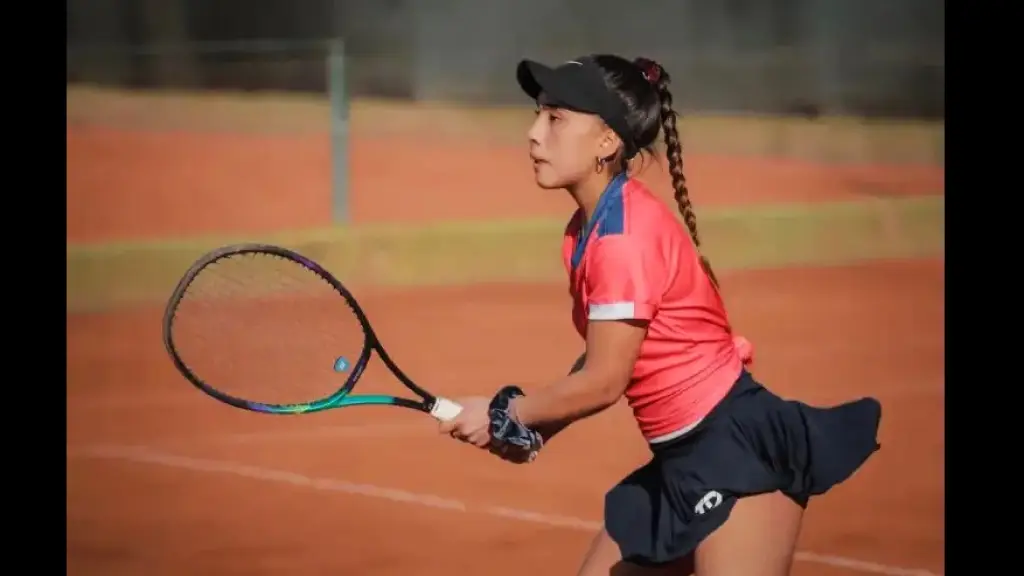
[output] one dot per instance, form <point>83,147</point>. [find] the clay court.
<point>163,480</point>
<point>132,185</point>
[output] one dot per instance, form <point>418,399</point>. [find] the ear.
<point>608,144</point>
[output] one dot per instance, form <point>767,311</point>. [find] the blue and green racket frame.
<point>438,407</point>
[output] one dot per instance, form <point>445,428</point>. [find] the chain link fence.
<point>869,58</point>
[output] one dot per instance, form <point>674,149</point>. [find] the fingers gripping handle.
<point>444,410</point>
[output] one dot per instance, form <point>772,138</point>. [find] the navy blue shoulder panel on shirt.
<point>613,221</point>
<point>609,218</point>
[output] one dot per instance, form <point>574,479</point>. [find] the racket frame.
<point>439,408</point>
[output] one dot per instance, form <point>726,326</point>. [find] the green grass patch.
<point>106,276</point>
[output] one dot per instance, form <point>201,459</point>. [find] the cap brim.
<point>531,76</point>
<point>560,86</point>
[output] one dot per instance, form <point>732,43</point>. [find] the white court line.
<point>376,430</point>
<point>149,455</point>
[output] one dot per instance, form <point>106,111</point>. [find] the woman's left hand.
<point>473,424</point>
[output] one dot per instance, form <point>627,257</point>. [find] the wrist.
<point>513,410</point>
<point>505,401</point>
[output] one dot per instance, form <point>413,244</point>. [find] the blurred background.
<point>874,58</point>
<point>830,81</point>
<point>789,100</point>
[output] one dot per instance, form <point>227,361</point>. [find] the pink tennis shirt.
<point>635,260</point>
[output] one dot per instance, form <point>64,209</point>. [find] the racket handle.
<point>444,409</point>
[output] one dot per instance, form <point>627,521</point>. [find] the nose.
<point>536,131</point>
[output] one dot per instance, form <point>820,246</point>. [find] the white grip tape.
<point>445,410</point>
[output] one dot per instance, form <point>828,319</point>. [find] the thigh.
<point>759,538</point>
<point>603,559</point>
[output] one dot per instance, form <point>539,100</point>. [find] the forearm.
<point>549,431</point>
<point>576,396</point>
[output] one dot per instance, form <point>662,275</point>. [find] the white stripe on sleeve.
<point>612,311</point>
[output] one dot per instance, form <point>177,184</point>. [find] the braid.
<point>674,152</point>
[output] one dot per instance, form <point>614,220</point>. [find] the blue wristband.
<point>506,429</point>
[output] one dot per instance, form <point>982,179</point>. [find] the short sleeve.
<point>625,279</point>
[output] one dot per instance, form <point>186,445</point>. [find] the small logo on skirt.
<point>709,502</point>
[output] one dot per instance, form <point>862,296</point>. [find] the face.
<point>565,146</point>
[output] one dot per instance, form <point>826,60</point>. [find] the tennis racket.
<point>266,329</point>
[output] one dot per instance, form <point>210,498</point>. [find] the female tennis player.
<point>733,464</point>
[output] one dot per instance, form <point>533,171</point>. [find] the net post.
<point>337,93</point>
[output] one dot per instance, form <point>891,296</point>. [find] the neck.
<point>588,192</point>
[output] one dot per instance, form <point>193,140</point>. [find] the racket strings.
<point>264,328</point>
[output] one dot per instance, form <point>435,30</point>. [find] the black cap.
<point>578,85</point>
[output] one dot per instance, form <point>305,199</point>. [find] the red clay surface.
<point>217,509</point>
<point>134,185</point>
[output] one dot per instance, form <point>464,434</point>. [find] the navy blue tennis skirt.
<point>752,443</point>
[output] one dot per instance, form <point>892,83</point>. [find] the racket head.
<point>314,283</point>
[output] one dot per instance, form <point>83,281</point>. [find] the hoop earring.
<point>599,164</point>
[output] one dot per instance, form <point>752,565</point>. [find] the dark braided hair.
<point>643,85</point>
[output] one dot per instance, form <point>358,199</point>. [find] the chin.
<point>548,181</point>
<point>549,184</point>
